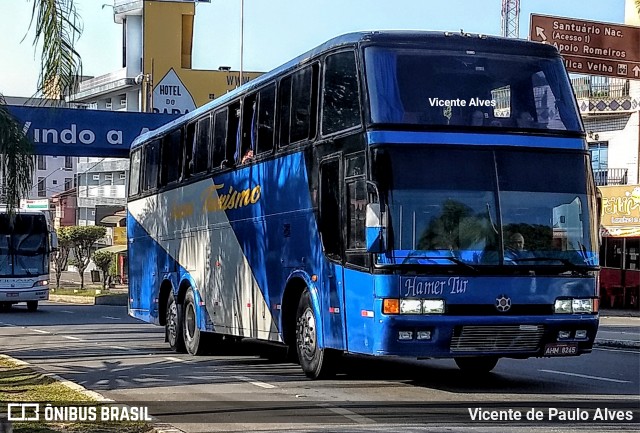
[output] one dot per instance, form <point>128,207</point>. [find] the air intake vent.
<point>507,338</point>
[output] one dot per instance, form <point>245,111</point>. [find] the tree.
<point>103,260</point>
<point>57,29</point>
<point>82,239</point>
<point>61,257</point>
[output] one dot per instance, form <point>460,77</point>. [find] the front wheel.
<point>32,305</point>
<point>173,326</point>
<point>314,360</point>
<point>478,365</point>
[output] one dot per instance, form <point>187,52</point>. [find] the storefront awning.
<point>112,219</point>
<point>620,211</point>
<point>114,249</point>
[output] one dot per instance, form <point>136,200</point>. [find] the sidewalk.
<point>71,279</point>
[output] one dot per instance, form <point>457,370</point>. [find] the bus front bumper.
<point>23,295</point>
<point>514,337</point>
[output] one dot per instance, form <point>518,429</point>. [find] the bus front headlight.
<point>433,306</point>
<point>574,306</point>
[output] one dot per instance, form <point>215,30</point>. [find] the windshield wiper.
<point>569,264</point>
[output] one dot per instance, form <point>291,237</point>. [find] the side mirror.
<point>54,241</point>
<point>375,233</point>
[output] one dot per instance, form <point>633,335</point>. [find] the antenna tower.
<point>510,18</point>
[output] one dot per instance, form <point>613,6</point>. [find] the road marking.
<point>348,414</point>
<point>606,379</point>
<point>172,359</point>
<point>120,348</point>
<point>112,318</point>
<point>625,341</point>
<point>612,349</point>
<point>41,331</point>
<point>255,382</point>
<point>69,337</point>
<point>11,325</point>
<point>617,332</point>
<point>66,311</point>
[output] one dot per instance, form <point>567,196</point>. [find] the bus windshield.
<point>443,212</point>
<point>469,89</point>
<point>23,245</point>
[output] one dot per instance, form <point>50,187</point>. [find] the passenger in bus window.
<point>247,157</point>
<point>515,248</point>
<point>477,118</point>
<point>525,120</point>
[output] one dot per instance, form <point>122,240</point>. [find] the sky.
<point>275,31</point>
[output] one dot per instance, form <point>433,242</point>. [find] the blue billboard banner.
<point>74,132</point>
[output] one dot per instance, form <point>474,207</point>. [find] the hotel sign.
<point>591,47</point>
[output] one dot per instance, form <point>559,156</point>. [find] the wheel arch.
<point>297,283</point>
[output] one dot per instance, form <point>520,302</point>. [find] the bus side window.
<point>266,118</point>
<point>284,110</point>
<point>201,145</point>
<point>171,157</point>
<point>232,148</point>
<point>249,119</point>
<point>330,208</point>
<point>219,138</point>
<point>298,105</point>
<point>341,100</point>
<point>188,146</point>
<point>356,191</point>
<point>134,174</point>
<point>151,165</point>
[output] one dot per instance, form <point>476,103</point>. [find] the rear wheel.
<point>194,340</point>
<point>32,305</point>
<point>480,364</point>
<point>314,360</point>
<point>173,326</point>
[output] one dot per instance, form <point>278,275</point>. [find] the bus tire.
<point>315,361</point>
<point>477,364</point>
<point>173,326</point>
<point>32,305</point>
<point>194,340</point>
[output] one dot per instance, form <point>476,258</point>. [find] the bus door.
<point>332,284</point>
<point>357,281</point>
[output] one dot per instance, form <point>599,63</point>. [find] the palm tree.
<point>57,29</point>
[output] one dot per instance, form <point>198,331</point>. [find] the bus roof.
<point>437,40</point>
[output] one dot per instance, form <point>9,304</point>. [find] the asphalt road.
<point>240,389</point>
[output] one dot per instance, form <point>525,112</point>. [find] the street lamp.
<point>241,38</point>
<point>147,90</point>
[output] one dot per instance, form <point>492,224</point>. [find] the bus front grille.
<point>506,338</point>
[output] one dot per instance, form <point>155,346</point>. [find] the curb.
<point>159,427</point>
<point>119,299</point>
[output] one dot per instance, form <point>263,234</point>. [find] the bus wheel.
<point>193,340</point>
<point>480,364</point>
<point>32,305</point>
<point>173,326</point>
<point>314,360</point>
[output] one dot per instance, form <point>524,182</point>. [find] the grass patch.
<point>19,383</point>
<point>88,291</point>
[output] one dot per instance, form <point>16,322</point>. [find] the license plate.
<point>13,294</point>
<point>561,349</point>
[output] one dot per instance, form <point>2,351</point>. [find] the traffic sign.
<point>591,47</point>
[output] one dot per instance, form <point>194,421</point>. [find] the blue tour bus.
<point>372,196</point>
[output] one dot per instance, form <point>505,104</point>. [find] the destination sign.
<point>591,47</point>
